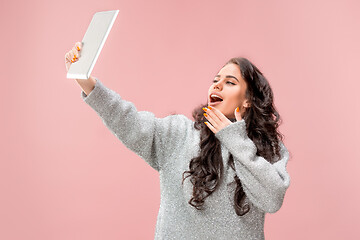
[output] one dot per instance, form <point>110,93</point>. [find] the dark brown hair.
<point>262,121</point>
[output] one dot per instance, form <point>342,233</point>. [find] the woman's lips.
<point>214,103</point>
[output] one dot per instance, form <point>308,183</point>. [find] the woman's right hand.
<point>72,55</point>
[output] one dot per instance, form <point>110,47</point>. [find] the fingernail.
<point>75,56</point>
<point>210,107</point>
<point>237,109</point>
<point>78,48</point>
<point>204,109</point>
<point>205,114</point>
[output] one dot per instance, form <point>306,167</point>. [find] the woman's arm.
<point>87,85</point>
<point>264,183</point>
<point>149,137</point>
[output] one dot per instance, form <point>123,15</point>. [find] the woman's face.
<point>231,87</point>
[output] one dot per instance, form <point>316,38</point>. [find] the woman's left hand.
<point>217,119</point>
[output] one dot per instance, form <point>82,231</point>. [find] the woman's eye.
<point>226,82</point>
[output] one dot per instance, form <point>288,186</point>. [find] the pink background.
<point>64,175</point>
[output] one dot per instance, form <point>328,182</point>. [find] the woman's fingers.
<point>76,51</point>
<point>73,55</point>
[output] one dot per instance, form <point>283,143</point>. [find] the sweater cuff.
<point>230,134</point>
<point>97,97</point>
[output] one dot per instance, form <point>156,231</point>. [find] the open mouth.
<point>215,99</point>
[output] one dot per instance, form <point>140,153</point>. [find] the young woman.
<point>232,154</point>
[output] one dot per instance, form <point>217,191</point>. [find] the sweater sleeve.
<point>264,183</point>
<point>149,137</point>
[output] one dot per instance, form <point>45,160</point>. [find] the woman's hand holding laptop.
<point>72,56</point>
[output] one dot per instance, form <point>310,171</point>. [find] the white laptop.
<point>92,43</point>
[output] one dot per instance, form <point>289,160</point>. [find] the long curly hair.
<point>262,121</point>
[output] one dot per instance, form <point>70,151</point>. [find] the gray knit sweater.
<point>168,144</point>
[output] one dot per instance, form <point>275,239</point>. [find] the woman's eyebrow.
<point>229,76</point>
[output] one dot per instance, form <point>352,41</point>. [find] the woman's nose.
<point>218,85</point>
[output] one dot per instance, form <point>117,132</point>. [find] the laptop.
<point>92,43</point>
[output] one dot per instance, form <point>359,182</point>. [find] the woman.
<point>232,155</point>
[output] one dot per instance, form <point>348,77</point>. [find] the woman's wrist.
<point>87,85</point>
